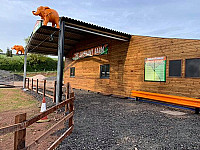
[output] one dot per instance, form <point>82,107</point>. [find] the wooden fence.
<point>21,123</point>
<point>44,85</point>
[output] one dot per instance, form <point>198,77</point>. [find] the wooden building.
<point>123,69</point>
<point>111,62</point>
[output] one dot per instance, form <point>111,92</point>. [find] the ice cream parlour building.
<point>111,62</point>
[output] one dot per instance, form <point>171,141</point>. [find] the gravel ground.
<point>8,75</point>
<point>108,123</point>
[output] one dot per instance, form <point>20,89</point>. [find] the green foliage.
<point>1,50</point>
<point>27,39</point>
<point>9,53</point>
<point>35,63</point>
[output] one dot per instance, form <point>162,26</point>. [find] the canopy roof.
<point>45,39</point>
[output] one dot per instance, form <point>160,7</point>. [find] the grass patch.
<point>12,99</point>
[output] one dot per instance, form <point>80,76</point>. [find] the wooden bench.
<point>179,100</point>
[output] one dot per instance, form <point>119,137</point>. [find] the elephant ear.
<point>45,7</point>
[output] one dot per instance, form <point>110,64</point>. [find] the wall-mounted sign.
<point>99,50</point>
<point>155,69</point>
<point>37,25</point>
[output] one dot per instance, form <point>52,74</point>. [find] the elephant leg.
<point>57,24</point>
<point>53,24</point>
<point>17,52</point>
<point>46,20</point>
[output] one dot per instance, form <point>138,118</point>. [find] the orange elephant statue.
<point>48,15</point>
<point>18,48</point>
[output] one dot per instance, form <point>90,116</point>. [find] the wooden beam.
<point>53,43</point>
<point>46,35</point>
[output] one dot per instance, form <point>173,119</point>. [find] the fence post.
<point>25,83</point>
<point>71,108</point>
<point>32,84</point>
<point>44,88</point>
<point>68,90</point>
<point>37,86</point>
<point>20,136</point>
<point>54,92</point>
<point>28,83</point>
<point>67,106</point>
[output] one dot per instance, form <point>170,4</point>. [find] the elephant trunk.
<point>35,13</point>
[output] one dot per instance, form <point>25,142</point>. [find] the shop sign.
<point>99,50</point>
<point>37,25</point>
<point>155,69</point>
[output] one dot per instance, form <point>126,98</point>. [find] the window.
<point>72,72</point>
<point>175,68</point>
<point>105,71</point>
<point>192,67</point>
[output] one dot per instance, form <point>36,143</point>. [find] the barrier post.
<point>25,82</point>
<point>44,88</point>
<point>20,136</point>
<point>71,108</point>
<point>54,92</point>
<point>28,83</point>
<point>32,84</point>
<point>37,86</point>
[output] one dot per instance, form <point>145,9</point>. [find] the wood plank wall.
<point>126,61</point>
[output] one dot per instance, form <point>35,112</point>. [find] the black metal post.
<point>60,61</point>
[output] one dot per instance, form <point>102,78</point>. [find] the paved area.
<point>108,123</point>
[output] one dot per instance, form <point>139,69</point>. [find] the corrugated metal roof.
<point>75,31</point>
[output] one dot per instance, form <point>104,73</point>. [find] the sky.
<point>157,18</point>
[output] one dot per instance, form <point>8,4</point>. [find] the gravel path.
<point>108,123</point>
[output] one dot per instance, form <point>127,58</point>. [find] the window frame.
<point>72,72</point>
<point>185,68</point>
<point>107,72</point>
<point>180,66</point>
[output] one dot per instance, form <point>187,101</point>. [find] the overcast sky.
<point>158,18</point>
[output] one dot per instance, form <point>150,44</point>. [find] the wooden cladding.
<point>127,62</point>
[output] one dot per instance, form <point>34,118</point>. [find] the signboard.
<point>99,50</point>
<point>155,69</point>
<point>37,25</point>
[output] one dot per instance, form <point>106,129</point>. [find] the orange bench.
<point>179,100</point>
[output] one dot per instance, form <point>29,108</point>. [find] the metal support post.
<point>60,62</point>
<point>25,64</point>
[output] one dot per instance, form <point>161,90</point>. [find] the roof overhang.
<point>45,39</point>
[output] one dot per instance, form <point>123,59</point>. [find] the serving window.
<point>72,72</point>
<point>175,68</point>
<point>105,71</point>
<point>192,67</point>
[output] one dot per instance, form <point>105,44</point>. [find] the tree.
<point>8,52</point>
<point>27,39</point>
<point>1,50</point>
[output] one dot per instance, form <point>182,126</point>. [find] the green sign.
<point>155,69</point>
<point>99,50</point>
<point>37,25</point>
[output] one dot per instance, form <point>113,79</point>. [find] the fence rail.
<point>44,85</point>
<point>21,123</point>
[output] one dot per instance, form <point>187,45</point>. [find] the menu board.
<point>155,69</point>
